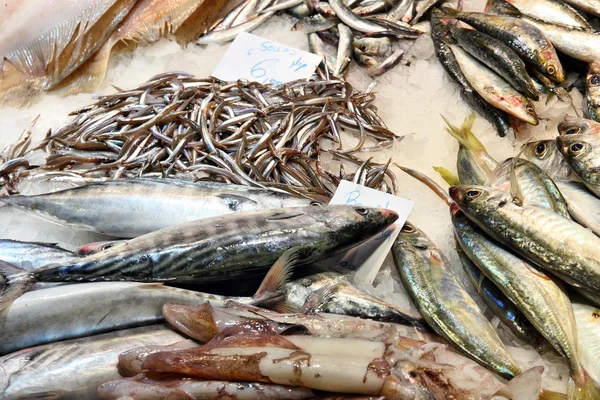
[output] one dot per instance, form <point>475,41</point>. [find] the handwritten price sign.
<point>367,258</point>
<point>258,59</point>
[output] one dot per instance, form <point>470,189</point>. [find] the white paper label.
<point>367,258</point>
<point>258,59</point>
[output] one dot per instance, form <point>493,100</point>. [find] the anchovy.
<point>316,45</point>
<point>593,90</point>
<point>345,14</point>
<point>444,303</point>
<point>314,23</point>
<point>226,35</point>
<point>582,152</point>
<point>344,53</point>
<point>128,208</point>
<point>73,369</point>
<point>32,256</point>
<point>493,88</point>
<point>497,56</point>
<point>439,34</point>
<point>528,41</point>
<point>333,293</point>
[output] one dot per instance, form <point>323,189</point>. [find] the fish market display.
<point>240,132</point>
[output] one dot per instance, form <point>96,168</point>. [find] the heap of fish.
<point>527,235</point>
<point>245,133</point>
<point>503,59</point>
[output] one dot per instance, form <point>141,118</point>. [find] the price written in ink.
<point>257,59</point>
<point>367,258</point>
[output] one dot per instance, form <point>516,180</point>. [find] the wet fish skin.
<point>497,56</point>
<point>500,305</point>
<point>590,6</point>
<point>545,155</point>
<point>343,297</point>
<point>558,245</point>
<point>71,311</point>
<point>445,304</point>
<point>439,32</point>
<point>593,91</point>
<point>541,298</point>
<point>493,88</point>
<point>128,208</point>
<point>583,206</point>
<point>578,126</point>
<point>215,249</point>
<point>73,369</point>
<point>32,256</point>
<point>582,152</point>
<point>552,11</point>
<point>529,42</point>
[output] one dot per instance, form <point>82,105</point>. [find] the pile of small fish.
<point>239,132</point>
<point>506,57</point>
<point>66,45</point>
<point>367,31</point>
<point>527,235</point>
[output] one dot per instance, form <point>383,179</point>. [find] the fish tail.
<point>90,75</point>
<point>16,282</point>
<point>272,286</point>
<point>447,176</point>
<point>449,11</point>
<point>582,388</point>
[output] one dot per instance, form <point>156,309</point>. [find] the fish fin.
<point>583,389</point>
<point>525,386</point>
<point>16,282</point>
<point>16,90</point>
<point>282,215</point>
<point>279,274</point>
<point>320,297</point>
<point>447,176</point>
<point>200,21</point>
<point>90,75</point>
<point>284,308</point>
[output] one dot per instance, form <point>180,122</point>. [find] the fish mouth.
<point>389,216</point>
<point>456,194</point>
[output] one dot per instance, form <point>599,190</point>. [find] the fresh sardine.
<point>593,91</point>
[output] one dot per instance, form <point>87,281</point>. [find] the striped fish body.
<point>228,247</point>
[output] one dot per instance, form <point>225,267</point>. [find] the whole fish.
<point>229,34</point>
<point>122,207</point>
<point>588,334</point>
<point>333,293</point>
<point>528,41</point>
<point>578,126</point>
<point>553,11</point>
<point>589,6</point>
<point>344,53</point>
<point>444,303</point>
<point>555,243</point>
<point>439,34</point>
<point>582,152</point>
<point>500,305</point>
<point>593,91</point>
<point>73,369</point>
<point>317,46</point>
<point>497,56</point>
<point>32,256</point>
<point>493,88</point>
<point>71,311</point>
<point>545,155</point>
<point>581,44</point>
<point>218,248</point>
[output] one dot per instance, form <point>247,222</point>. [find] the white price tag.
<point>367,258</point>
<point>258,59</point>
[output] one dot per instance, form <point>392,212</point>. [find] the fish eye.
<point>551,70</point>
<point>576,148</point>
<point>407,228</point>
<point>573,131</point>
<point>540,149</point>
<point>595,80</point>
<point>107,246</point>
<point>529,108</point>
<point>412,374</point>
<point>362,211</point>
<point>473,193</point>
<point>315,203</point>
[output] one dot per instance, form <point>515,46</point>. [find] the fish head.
<point>545,155</point>
<point>593,76</point>
<point>578,126</point>
<point>552,68</point>
<point>412,237</point>
<point>477,201</point>
<point>582,152</point>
